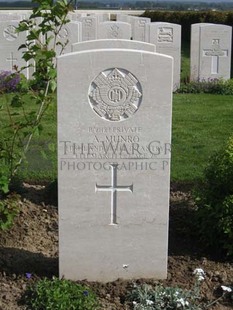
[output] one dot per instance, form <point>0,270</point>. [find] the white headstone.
<point>11,16</point>
<point>210,51</point>
<point>104,17</point>
<point>10,41</point>
<point>122,17</point>
<point>69,34</point>
<point>114,133</point>
<point>167,38</point>
<point>139,27</point>
<point>114,30</point>
<point>74,16</point>
<point>123,44</point>
<point>89,28</point>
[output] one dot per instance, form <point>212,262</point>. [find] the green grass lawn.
<point>41,158</point>
<point>185,62</point>
<point>201,125</point>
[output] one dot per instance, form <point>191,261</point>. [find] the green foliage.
<point>212,86</point>
<point>43,28</point>
<point>160,298</point>
<point>60,295</point>
<point>8,211</point>
<point>215,202</point>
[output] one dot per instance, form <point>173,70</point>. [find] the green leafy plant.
<point>147,297</point>
<point>211,86</point>
<point>60,295</point>
<point>9,208</point>
<point>43,28</point>
<point>215,202</point>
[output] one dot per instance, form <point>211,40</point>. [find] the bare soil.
<point>31,246</point>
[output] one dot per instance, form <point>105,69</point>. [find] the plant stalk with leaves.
<point>39,51</point>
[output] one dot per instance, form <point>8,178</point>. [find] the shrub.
<point>146,297</point>
<point>159,298</point>
<point>60,295</point>
<point>211,86</point>
<point>40,53</point>
<point>9,81</point>
<point>8,210</point>
<point>215,202</point>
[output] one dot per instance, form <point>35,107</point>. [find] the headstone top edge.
<point>113,40</point>
<point>115,50</point>
<point>164,23</point>
<point>210,25</point>
<point>114,22</point>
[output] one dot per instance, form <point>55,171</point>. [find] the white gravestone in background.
<point>12,16</point>
<point>167,39</point>
<point>102,44</point>
<point>69,34</point>
<point>210,51</point>
<point>104,17</point>
<point>114,134</point>
<point>74,16</point>
<point>139,27</point>
<point>10,41</point>
<point>114,30</point>
<point>89,28</point>
<point>122,17</point>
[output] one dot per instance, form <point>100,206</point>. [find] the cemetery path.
<point>31,246</point>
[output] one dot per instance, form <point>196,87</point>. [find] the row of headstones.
<point>210,43</point>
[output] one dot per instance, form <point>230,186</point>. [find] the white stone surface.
<point>10,41</point>
<point>114,133</point>
<point>114,30</point>
<point>104,17</point>
<point>89,28</point>
<point>167,38</point>
<point>122,17</point>
<point>11,16</point>
<point>70,33</point>
<point>74,16</point>
<point>103,44</point>
<point>139,27</point>
<point>210,51</point>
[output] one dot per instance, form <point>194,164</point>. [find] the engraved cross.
<point>12,60</point>
<point>215,53</point>
<point>114,188</point>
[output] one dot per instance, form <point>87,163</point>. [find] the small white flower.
<point>226,289</point>
<point>135,303</point>
<point>149,302</point>
<point>200,278</point>
<point>180,302</point>
<point>200,274</point>
<point>199,271</point>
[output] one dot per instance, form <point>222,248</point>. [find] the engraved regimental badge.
<point>115,94</point>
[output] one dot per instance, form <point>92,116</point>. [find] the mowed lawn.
<point>201,125</point>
